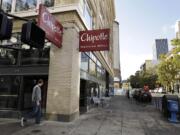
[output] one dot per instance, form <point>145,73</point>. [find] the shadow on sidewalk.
<point>9,128</point>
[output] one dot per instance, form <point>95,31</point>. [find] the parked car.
<point>137,94</point>
<point>145,96</point>
<point>142,96</point>
<point>160,90</point>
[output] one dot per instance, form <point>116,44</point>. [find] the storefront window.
<point>35,56</point>
<point>48,3</point>
<point>103,74</point>
<point>9,87</point>
<point>8,56</point>
<point>84,62</point>
<point>99,73</point>
<point>93,57</point>
<point>87,53</point>
<point>6,5</point>
<point>25,4</point>
<point>92,68</point>
<point>99,64</point>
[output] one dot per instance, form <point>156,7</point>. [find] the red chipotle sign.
<point>50,25</point>
<point>94,40</point>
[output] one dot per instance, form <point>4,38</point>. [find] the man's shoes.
<point>39,124</point>
<point>22,122</point>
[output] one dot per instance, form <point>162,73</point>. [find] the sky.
<point>140,23</point>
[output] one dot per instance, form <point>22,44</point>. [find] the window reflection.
<point>8,56</point>
<point>103,74</point>
<point>35,56</point>
<point>6,5</point>
<point>25,4</point>
<point>91,65</point>
<point>86,13</point>
<point>84,62</point>
<point>88,16</point>
<point>9,87</point>
<point>99,64</point>
<point>93,57</point>
<point>92,68</point>
<point>99,73</point>
<point>48,3</point>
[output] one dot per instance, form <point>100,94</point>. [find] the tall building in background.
<point>149,64</point>
<point>177,29</point>
<point>160,47</point>
<point>116,56</point>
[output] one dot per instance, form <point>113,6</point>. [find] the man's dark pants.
<point>36,113</point>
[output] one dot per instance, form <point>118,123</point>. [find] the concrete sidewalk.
<point>122,117</point>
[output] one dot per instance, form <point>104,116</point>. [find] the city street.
<point>121,117</point>
<point>73,62</point>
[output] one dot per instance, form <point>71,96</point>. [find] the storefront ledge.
<point>9,114</point>
<point>62,117</point>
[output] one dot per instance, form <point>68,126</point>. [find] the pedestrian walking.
<point>36,104</point>
<point>131,95</point>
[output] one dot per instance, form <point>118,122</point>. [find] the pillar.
<point>64,77</point>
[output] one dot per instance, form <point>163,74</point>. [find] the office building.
<point>177,29</point>
<point>149,65</point>
<point>160,47</point>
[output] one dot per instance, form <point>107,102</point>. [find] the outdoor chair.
<point>96,101</point>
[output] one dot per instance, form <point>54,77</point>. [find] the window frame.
<point>86,9</point>
<point>14,2</point>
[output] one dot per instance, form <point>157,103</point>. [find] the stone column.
<point>64,77</point>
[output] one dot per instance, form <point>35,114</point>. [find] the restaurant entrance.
<point>20,70</point>
<point>16,92</point>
